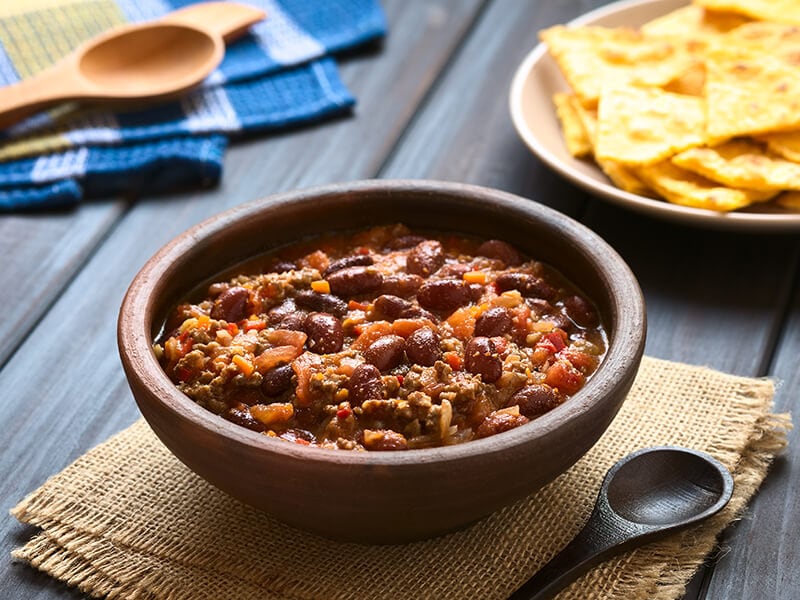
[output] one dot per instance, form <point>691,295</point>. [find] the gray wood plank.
<point>713,298</point>
<point>41,254</point>
<point>465,132</point>
<point>764,557</point>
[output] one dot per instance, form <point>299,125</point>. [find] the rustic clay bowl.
<point>381,497</point>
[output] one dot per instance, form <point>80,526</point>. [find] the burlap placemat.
<point>128,520</point>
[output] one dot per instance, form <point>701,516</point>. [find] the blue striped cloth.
<point>280,74</point>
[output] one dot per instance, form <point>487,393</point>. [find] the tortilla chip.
<point>782,11</point>
<point>690,83</point>
<point>591,57</point>
<point>741,164</point>
<point>689,189</point>
<point>776,39</point>
<point>750,93</point>
<point>575,137</point>
<point>790,200</point>
<point>641,126</point>
<point>693,22</point>
<point>620,175</point>
<point>786,144</point>
<point>625,178</point>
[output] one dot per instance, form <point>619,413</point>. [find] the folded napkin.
<point>280,74</point>
<point>129,520</point>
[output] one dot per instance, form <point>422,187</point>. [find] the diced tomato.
<point>278,355</point>
<point>183,374</point>
<point>343,413</point>
<point>304,367</point>
<point>232,328</point>
<point>287,337</point>
<point>405,327</point>
<point>256,325</point>
<point>277,413</point>
<point>585,363</point>
<point>463,321</point>
<point>371,333</point>
<point>453,359</point>
<point>563,376</point>
<point>552,342</point>
<point>400,379</point>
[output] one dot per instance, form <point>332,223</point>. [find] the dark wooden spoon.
<point>646,495</point>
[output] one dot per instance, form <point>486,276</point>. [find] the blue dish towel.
<point>280,74</point>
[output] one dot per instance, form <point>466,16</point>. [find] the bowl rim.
<point>626,343</point>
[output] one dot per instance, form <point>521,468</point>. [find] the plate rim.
<point>742,221</point>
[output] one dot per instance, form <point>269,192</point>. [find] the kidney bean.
<point>364,384</point>
<point>493,322</point>
<point>560,320</point>
<point>231,305</point>
<point>443,294</point>
<point>453,271</point>
<point>390,306</point>
<point>351,281</point>
<point>526,284</point>
<point>401,285</point>
<point>579,310</point>
<point>277,380</point>
<point>282,267</point>
<point>354,260</point>
<point>325,334</point>
<point>539,306</point>
<point>417,312</point>
<point>476,291</point>
<point>240,415</point>
<point>279,313</point>
<point>386,352</point>
<point>501,251</point>
<point>295,321</point>
<point>422,347</point>
<point>215,289</point>
<point>321,302</point>
<point>404,241</point>
<point>480,358</point>
<point>534,400</point>
<point>497,422</point>
<point>425,258</point>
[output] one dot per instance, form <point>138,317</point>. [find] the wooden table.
<point>433,103</point>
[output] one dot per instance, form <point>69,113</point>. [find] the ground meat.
<point>386,339</point>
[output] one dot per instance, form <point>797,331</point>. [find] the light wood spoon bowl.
<point>140,62</point>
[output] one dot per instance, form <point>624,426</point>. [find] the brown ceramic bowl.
<point>381,497</point>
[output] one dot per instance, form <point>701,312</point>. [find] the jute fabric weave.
<point>127,520</point>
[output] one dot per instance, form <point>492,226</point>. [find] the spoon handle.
<point>226,19</point>
<point>591,546</point>
<point>31,95</point>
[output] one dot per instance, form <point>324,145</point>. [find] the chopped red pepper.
<point>399,379</point>
<point>356,305</point>
<point>257,325</point>
<point>343,413</point>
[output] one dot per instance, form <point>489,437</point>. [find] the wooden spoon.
<point>646,495</point>
<point>146,61</point>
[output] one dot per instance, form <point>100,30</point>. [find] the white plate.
<point>532,89</point>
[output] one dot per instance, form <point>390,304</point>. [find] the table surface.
<point>432,103</point>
